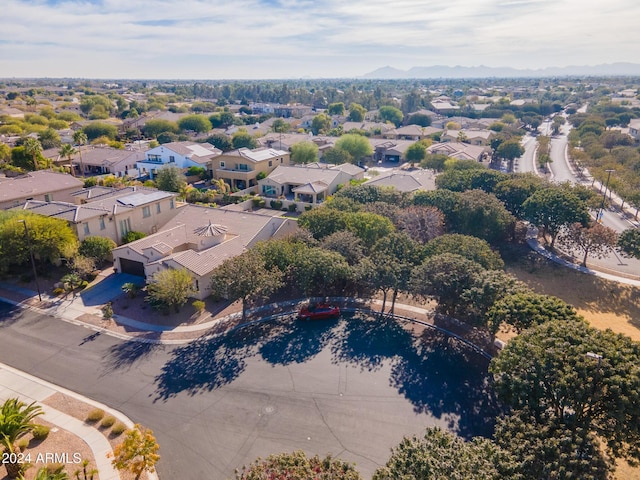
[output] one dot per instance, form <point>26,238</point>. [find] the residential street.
<point>326,387</point>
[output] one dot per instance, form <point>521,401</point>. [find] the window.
<point>221,164</point>
<point>268,190</point>
<point>48,197</point>
<point>158,208</point>
<point>270,163</point>
<point>86,228</point>
<point>102,225</point>
<point>172,159</point>
<point>280,160</point>
<point>125,226</point>
<point>146,212</point>
<point>172,205</point>
<point>243,167</point>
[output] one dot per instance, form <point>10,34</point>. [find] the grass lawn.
<point>604,304</point>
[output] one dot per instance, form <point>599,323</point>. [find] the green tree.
<point>434,161</point>
<point>551,449</point>
<point>194,123</point>
<point>441,455</point>
<point>420,119</point>
<point>336,108</point>
<point>100,129</point>
<point>170,178</point>
<point>595,240</point>
<point>566,372</point>
<point>97,248</point>
<point>467,246</point>
<point>554,208</point>
<point>322,222</point>
<point>416,153</point>
<point>244,277</point>
<point>629,242</point>
<point>391,114</point>
<point>525,309</point>
<point>243,139</point>
<point>171,288</point>
<point>368,227</point>
<point>153,128</point>
<point>33,149</point>
<point>221,141</point>
<point>297,466</point>
<point>15,421</point>
<point>337,156</point>
<point>510,150</point>
<point>357,146</point>
<point>345,243</point>
<point>304,152</point>
<point>68,151</point>
<point>49,473</point>
<point>356,112</point>
<point>279,125</point>
<point>514,191</point>
<point>320,124</point>
<point>138,452</point>
<point>320,272</point>
<point>444,277</point>
<point>482,215</point>
<point>49,138</point>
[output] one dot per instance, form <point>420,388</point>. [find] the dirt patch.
<point>603,303</point>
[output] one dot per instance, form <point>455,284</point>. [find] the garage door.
<point>132,267</point>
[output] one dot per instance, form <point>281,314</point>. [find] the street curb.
<point>119,415</point>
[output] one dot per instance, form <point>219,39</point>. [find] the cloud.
<point>285,38</point>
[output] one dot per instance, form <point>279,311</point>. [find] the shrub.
<point>131,289</point>
<point>58,291</point>
<point>258,202</point>
<point>132,236</point>
<point>308,207</point>
<point>118,429</point>
<point>40,432</point>
<point>108,421</point>
<point>293,207</point>
<point>107,311</point>
<point>97,248</point>
<point>198,305</point>
<point>276,204</point>
<point>22,444</point>
<point>95,415</point>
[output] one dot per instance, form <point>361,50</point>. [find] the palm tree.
<point>15,422</point>
<point>45,473</point>
<point>33,148</point>
<point>81,139</point>
<point>68,151</point>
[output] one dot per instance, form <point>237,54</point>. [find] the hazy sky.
<point>216,39</point>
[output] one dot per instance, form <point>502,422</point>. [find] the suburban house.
<point>42,185</point>
<point>103,160</point>
<point>240,168</point>
<point>374,128</point>
<point>389,150</point>
<point>461,151</point>
<point>310,183</point>
<point>199,239</point>
<point>181,154</point>
<point>444,106</point>
<point>111,212</point>
<point>405,180</point>
<point>412,132</point>
<point>470,136</point>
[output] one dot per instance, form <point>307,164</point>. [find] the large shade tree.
<point>566,372</point>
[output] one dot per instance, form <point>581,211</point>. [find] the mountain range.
<point>443,71</point>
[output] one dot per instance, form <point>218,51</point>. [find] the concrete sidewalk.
<point>15,383</point>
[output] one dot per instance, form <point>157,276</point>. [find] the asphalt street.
<point>350,387</point>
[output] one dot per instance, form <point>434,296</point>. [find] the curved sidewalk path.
<point>26,387</point>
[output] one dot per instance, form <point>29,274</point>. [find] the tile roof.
<point>36,183</point>
<point>65,211</point>
<point>405,181</point>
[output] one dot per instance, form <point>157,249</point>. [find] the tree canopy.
<point>297,466</point>
<point>304,152</point>
<point>357,146</point>
<point>170,288</point>
<point>194,123</point>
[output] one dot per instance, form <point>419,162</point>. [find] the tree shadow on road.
<point>126,354</point>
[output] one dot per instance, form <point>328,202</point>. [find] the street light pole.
<point>604,196</point>
<point>33,261</point>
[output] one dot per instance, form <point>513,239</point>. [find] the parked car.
<point>318,311</point>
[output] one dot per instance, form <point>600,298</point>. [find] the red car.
<point>318,311</point>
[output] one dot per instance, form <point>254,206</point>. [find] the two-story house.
<point>240,168</point>
<point>111,213</point>
<point>40,185</point>
<point>634,128</point>
<point>181,154</point>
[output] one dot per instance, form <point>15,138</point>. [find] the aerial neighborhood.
<point>310,272</point>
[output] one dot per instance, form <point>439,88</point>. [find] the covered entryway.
<point>132,267</point>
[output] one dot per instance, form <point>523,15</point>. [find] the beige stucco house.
<point>199,239</point>
<point>43,185</point>
<point>239,168</point>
